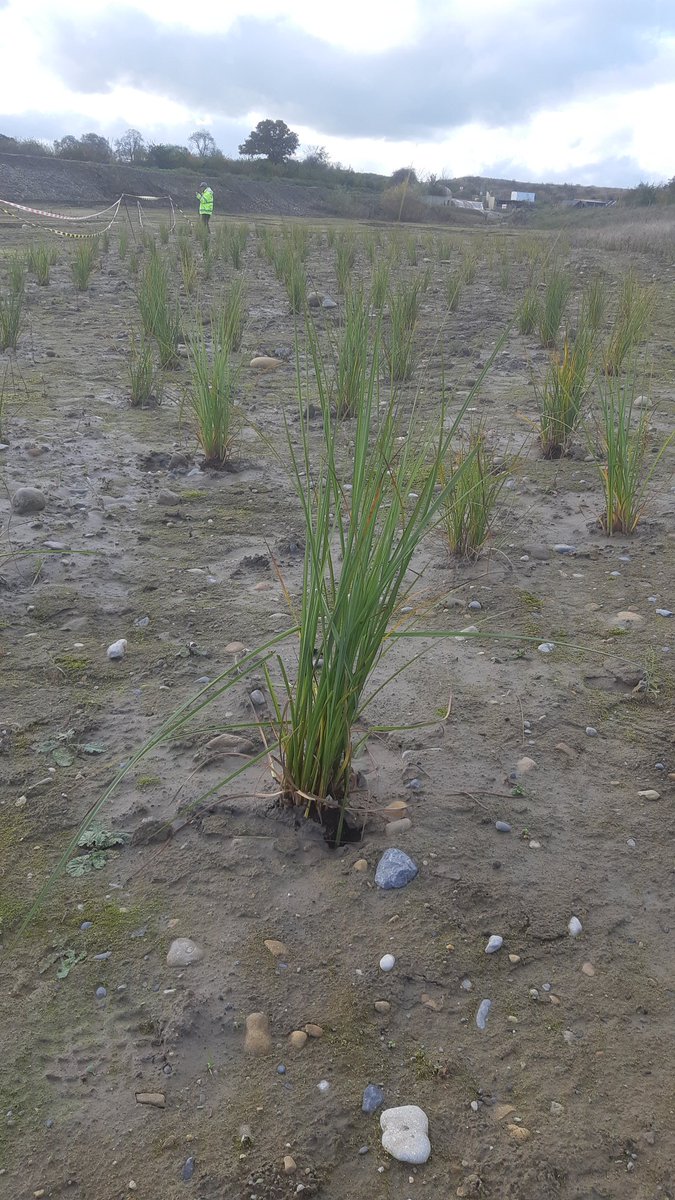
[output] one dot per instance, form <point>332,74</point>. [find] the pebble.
<point>650,794</point>
<point>101,993</point>
<point>502,827</point>
<point>563,548</point>
<point>534,845</point>
<point>495,943</point>
<point>382,1006</point>
<point>314,1031</point>
<point>290,1165</point>
<point>327,302</point>
<point>183,952</point>
<point>663,612</point>
<point>525,765</point>
<point>188,1169</point>
<point>154,1099</point>
<point>393,828</point>
<point>591,731</point>
<point>483,1013</point>
<point>387,962</point>
<point>361,864</point>
<point>235,648</point>
<point>28,500</point>
<point>395,810</point>
<point>314,299</point>
<point>588,968</point>
<point>86,925</point>
<point>373,1097</point>
<point>265,362</point>
<point>257,697</point>
<point>281,1070</point>
<point>276,948</point>
<point>632,843</point>
<point>546,647</point>
<point>626,620</point>
<point>475,605</point>
<point>395,870</point>
<point>466,985</point>
<point>575,926</point>
<point>258,1039</point>
<point>405,1133</point>
<point>166,497</point>
<point>514,958</point>
<point>117,649</point>
<point>323,1086</point>
<point>298,1039</point>
<point>519,1133</point>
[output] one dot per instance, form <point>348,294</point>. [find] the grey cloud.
<point>619,171</point>
<point>499,72</point>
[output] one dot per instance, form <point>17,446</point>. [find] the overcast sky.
<point>576,90</point>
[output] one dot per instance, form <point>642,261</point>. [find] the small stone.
<point>519,1133</point>
<point>265,362</point>
<point>395,870</point>
<point>483,1013</point>
<point>395,810</point>
<point>431,1003</point>
<point>387,962</point>
<point>472,1186</point>
<point>626,620</point>
<point>257,697</point>
<point>290,1165</point>
<point>258,1039</point>
<point>514,958</point>
<point>546,647</point>
<point>154,1099</point>
<point>650,794</point>
<point>28,500</point>
<point>188,1169</point>
<point>298,1039</point>
<point>361,864</point>
<point>117,649</point>
<point>101,993</point>
<point>495,943</point>
<point>323,1086</point>
<point>534,845</point>
<point>574,926</point>
<point>405,1133</point>
<point>556,1110</point>
<point>183,952</point>
<point>632,843</point>
<point>502,827</point>
<point>235,648</point>
<point>373,1097</point>
<point>525,765</point>
<point>663,612</point>
<point>314,299</point>
<point>132,1185</point>
<point>276,948</point>
<point>533,993</point>
<point>382,1007</point>
<point>314,1031</point>
<point>393,828</point>
<point>167,498</point>
<point>591,731</point>
<point>245,1135</point>
<point>466,985</point>
<point>327,302</point>
<point>588,968</point>
<point>502,1110</point>
<point>475,605</point>
<point>281,1070</point>
<point>649,1138</point>
<point>563,548</point>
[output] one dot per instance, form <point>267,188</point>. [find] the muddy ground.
<point>572,1080</point>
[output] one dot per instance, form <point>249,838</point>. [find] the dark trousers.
<point>206,217</point>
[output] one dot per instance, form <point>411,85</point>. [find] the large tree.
<point>131,147</point>
<point>272,140</point>
<point>91,147</point>
<point>203,143</point>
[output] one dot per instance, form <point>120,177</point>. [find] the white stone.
<point>182,952</point>
<point>575,926</point>
<point>405,1133</point>
<point>117,649</point>
<point>387,962</point>
<point>495,943</point>
<point>546,647</point>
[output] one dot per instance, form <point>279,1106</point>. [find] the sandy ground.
<point>571,1082</point>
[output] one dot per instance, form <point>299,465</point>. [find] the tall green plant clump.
<point>362,527</point>
<point>562,395</point>
<point>553,306</point>
<point>159,314</point>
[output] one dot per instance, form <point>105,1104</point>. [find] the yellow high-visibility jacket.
<point>205,202</point>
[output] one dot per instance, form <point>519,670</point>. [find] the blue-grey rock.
<point>101,993</point>
<point>663,612</point>
<point>188,1169</point>
<point>373,1097</point>
<point>475,605</point>
<point>395,869</point>
<point>28,500</point>
<point>86,925</point>
<point>591,731</point>
<point>281,1070</point>
<point>502,826</point>
<point>483,1013</point>
<point>563,548</point>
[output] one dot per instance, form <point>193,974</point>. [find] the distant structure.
<point>523,197</point>
<point>581,203</point>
